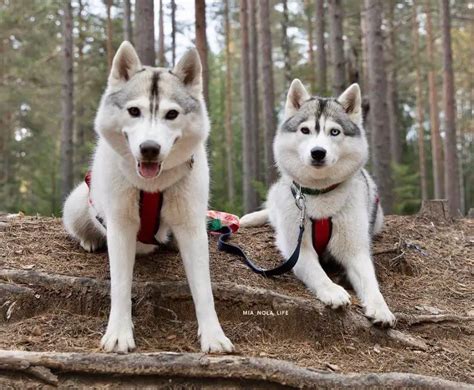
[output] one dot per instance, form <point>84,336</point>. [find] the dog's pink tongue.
<point>149,169</point>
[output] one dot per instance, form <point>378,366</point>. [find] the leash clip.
<point>300,202</point>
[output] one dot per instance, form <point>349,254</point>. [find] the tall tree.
<point>451,167</point>
<point>201,44</point>
<point>173,32</point>
<point>67,173</point>
<point>80,152</point>
<point>248,172</point>
<point>337,47</point>
<point>229,144</point>
<point>309,23</point>
<point>161,36</point>
<point>285,43</point>
<point>378,103</point>
<point>419,108</point>
<point>254,103</point>
<point>436,141</point>
<point>321,49</point>
<point>266,62</point>
<point>365,50</point>
<point>145,31</point>
<point>110,50</point>
<point>127,21</point>
<point>392,87</point>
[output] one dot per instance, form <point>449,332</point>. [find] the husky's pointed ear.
<point>125,64</point>
<point>189,70</point>
<point>297,95</point>
<point>351,100</point>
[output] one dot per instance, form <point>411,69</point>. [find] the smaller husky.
<point>149,177</point>
<point>320,151</point>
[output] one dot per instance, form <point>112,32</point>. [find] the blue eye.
<point>335,132</point>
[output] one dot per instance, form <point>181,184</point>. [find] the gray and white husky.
<point>152,125</point>
<point>320,150</point>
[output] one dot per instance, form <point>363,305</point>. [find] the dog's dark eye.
<point>335,132</point>
<point>305,130</point>
<point>171,114</point>
<point>134,111</point>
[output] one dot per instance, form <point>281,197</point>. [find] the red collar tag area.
<point>149,209</point>
<point>321,232</point>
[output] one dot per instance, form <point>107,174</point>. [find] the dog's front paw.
<point>333,295</point>
<point>380,314</point>
<point>118,338</point>
<point>215,341</point>
<point>92,245</point>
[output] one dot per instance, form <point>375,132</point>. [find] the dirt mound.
<point>54,297</point>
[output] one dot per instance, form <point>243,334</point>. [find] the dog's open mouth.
<point>149,169</point>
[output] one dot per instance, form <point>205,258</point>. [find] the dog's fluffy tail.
<point>258,218</point>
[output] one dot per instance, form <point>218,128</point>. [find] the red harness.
<point>321,231</point>
<point>150,211</point>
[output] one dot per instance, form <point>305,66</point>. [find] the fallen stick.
<point>240,370</point>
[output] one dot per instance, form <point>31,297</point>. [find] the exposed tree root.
<point>432,318</point>
<point>240,370</point>
<point>92,297</point>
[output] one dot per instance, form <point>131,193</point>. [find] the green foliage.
<point>31,77</point>
<point>407,189</point>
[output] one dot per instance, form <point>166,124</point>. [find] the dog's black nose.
<point>318,154</point>
<point>150,150</point>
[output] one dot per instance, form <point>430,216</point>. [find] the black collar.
<point>295,187</point>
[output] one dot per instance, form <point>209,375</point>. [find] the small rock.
<point>28,267</point>
<point>377,348</point>
<point>263,354</point>
<point>171,337</point>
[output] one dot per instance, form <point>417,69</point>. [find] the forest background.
<point>413,60</point>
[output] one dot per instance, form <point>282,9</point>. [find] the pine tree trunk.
<point>285,44</point>
<point>80,155</point>
<point>110,50</point>
<point>309,26</point>
<point>67,172</point>
<point>161,37</point>
<point>378,104</point>
<point>229,146</point>
<point>253,41</point>
<point>436,141</point>
<point>419,108</point>
<point>365,78</point>
<point>173,32</point>
<point>321,49</point>
<point>248,178</point>
<point>451,167</point>
<point>201,45</point>
<point>392,88</point>
<point>127,21</point>
<point>337,47</point>
<point>266,62</point>
<point>145,31</point>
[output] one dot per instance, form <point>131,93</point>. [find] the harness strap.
<point>149,209</point>
<point>285,267</point>
<point>322,232</point>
